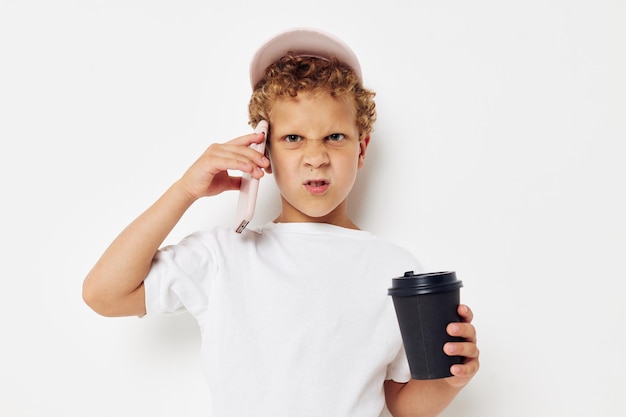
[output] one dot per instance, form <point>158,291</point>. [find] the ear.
<point>363,143</point>
<point>267,154</point>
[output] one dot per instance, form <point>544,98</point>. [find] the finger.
<point>257,173</point>
<point>466,313</point>
<point>465,349</point>
<point>258,158</point>
<point>223,161</point>
<point>464,330</point>
<point>465,370</point>
<point>236,157</point>
<point>247,140</point>
<point>245,153</point>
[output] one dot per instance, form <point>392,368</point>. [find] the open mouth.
<point>316,183</point>
<point>317,186</point>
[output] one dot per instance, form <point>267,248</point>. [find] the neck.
<point>337,217</point>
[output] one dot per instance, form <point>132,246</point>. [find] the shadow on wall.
<point>365,186</point>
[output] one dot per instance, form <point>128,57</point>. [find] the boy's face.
<point>315,152</point>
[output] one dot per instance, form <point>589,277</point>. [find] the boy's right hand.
<point>209,175</point>
<point>114,286</point>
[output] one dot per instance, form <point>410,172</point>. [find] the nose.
<point>315,154</point>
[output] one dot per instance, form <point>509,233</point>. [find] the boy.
<point>294,316</point>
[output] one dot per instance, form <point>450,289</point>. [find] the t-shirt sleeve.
<point>179,278</point>
<point>398,370</point>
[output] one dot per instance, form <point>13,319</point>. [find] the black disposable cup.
<point>425,304</point>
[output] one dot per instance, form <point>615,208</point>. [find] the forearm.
<point>126,262</point>
<point>428,398</point>
<point>419,398</point>
<point>114,287</point>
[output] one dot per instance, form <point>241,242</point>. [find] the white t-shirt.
<point>295,317</point>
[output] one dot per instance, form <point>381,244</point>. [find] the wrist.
<point>182,194</point>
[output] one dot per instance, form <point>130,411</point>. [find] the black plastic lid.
<point>426,283</point>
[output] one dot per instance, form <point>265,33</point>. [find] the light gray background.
<point>499,153</point>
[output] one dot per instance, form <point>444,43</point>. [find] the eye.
<point>336,137</point>
<point>292,138</point>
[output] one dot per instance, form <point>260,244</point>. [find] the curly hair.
<point>293,74</point>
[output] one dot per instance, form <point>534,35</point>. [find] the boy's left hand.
<point>463,373</point>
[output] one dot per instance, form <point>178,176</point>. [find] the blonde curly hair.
<point>293,74</point>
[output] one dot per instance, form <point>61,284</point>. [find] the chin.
<point>324,216</point>
<point>312,210</point>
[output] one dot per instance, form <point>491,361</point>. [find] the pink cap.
<point>302,42</point>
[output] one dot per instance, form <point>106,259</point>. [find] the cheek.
<point>348,167</point>
<point>353,160</point>
<point>281,169</point>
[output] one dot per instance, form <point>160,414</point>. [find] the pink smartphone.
<point>249,186</point>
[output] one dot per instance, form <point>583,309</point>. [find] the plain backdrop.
<point>500,153</point>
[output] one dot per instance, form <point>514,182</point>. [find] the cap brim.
<point>302,42</point>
